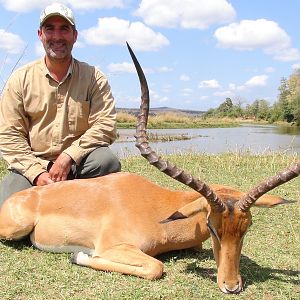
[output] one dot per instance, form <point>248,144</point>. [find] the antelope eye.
<point>211,229</point>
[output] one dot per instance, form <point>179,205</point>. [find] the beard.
<point>58,50</point>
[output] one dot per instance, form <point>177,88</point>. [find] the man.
<point>57,115</point>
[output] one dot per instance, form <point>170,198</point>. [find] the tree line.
<point>286,108</point>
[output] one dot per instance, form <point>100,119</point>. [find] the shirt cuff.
<point>77,153</point>
<point>34,171</point>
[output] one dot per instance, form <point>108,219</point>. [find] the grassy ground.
<point>269,263</point>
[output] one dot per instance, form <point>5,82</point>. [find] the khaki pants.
<point>99,162</point>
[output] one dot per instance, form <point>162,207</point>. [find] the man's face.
<point>58,37</point>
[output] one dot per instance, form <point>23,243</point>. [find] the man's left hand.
<point>61,167</point>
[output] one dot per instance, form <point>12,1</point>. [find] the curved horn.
<point>284,176</point>
<point>164,166</point>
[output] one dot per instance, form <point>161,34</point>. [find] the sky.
<point>195,53</point>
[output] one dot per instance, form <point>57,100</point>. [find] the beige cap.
<point>57,9</point>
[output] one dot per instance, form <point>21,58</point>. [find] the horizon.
<point>194,57</point>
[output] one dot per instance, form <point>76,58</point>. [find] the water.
<point>255,139</point>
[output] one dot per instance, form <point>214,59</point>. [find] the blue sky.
<point>195,53</point>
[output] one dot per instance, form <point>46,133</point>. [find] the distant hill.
<point>161,110</point>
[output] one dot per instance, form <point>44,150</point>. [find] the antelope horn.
<point>269,184</point>
<point>164,166</point>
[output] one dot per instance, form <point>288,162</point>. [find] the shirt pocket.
<point>78,118</point>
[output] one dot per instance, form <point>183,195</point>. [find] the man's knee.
<point>12,183</point>
<point>100,162</point>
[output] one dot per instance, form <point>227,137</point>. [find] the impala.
<point>119,222</point>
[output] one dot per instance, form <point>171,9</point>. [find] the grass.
<point>269,262</point>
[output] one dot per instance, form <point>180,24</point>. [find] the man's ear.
<point>40,33</point>
<point>75,35</point>
<point>188,210</point>
<point>270,201</point>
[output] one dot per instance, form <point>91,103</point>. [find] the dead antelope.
<point>120,221</point>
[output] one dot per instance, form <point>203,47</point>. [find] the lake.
<point>255,139</point>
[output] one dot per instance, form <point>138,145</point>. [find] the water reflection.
<point>251,138</point>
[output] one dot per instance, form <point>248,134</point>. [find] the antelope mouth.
<point>236,289</point>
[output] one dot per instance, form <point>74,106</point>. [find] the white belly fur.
<point>62,249</point>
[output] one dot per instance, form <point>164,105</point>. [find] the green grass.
<point>269,262</point>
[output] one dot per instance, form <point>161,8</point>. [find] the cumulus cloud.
<point>224,94</point>
<point>184,77</point>
<point>210,84</point>
<point>164,69</point>
<point>28,5</point>
<point>187,92</point>
<point>270,70</point>
<point>253,34</point>
<point>198,14</point>
<point>258,80</point>
<point>115,31</point>
<point>157,98</point>
<point>124,67</point>
<point>95,4</point>
<point>10,42</point>
<point>296,66</point>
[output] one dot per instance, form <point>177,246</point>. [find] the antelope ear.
<point>270,201</point>
<point>188,210</point>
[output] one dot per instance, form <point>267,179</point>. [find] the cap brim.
<point>59,15</point>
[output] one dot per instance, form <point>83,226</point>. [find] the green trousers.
<point>99,162</point>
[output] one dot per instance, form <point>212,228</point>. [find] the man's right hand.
<point>43,179</point>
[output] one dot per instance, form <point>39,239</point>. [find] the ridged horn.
<point>164,166</point>
<point>267,185</point>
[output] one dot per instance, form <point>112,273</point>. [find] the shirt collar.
<point>70,70</point>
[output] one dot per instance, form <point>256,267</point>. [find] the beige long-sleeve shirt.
<point>40,117</point>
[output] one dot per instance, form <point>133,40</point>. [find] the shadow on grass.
<point>18,245</point>
<point>250,271</point>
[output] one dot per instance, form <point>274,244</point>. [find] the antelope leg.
<point>122,258</point>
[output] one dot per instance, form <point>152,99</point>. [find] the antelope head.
<point>228,217</point>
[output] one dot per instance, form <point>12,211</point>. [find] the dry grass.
<point>174,120</point>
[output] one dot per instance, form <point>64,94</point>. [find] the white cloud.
<point>204,97</point>
<point>115,31</point>
<point>187,14</point>
<point>234,87</point>
<point>253,34</point>
<point>258,80</point>
<point>95,4</point>
<point>210,84</point>
<point>29,5</point>
<point>224,94</point>
<point>187,92</point>
<point>157,98</point>
<point>124,67</point>
<point>164,69</point>
<point>289,54</point>
<point>10,42</point>
<point>184,77</point>
<point>269,70</point>
<point>296,66</point>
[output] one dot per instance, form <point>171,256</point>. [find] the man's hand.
<point>61,168</point>
<point>43,179</point>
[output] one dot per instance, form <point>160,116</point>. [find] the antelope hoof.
<point>78,258</point>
